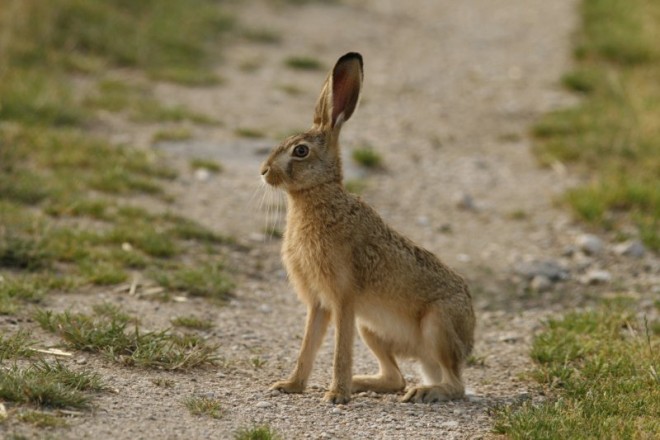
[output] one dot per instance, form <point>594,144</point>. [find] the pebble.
<point>590,244</point>
<point>465,201</point>
<point>547,268</point>
<point>264,404</point>
<point>3,412</point>
<point>202,174</point>
<point>336,411</point>
<point>450,424</point>
<point>540,283</point>
<point>596,277</point>
<point>632,248</point>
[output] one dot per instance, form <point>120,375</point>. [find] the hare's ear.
<point>340,93</point>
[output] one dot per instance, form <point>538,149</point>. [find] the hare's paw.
<point>378,384</point>
<point>288,386</point>
<point>337,397</point>
<point>430,394</point>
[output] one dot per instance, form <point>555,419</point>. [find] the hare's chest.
<point>317,267</point>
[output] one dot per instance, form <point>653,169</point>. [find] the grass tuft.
<point>18,345</point>
<point>203,406</point>
<point>207,164</point>
<point>367,157</point>
<point>49,385</point>
<point>209,281</point>
<point>192,322</point>
<point>262,432</point>
<point>303,63</point>
<point>42,419</point>
<point>127,344</point>
<point>600,368</point>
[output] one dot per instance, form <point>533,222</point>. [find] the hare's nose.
<point>264,170</point>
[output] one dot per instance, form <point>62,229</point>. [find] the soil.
<point>451,90</point>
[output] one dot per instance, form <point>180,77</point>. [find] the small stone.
<point>596,277</point>
<point>445,228</point>
<point>449,424</point>
<point>590,244</point>
<point>568,251</point>
<point>265,308</point>
<point>423,220</point>
<point>540,283</point>
<point>81,361</point>
<point>548,268</point>
<point>264,404</point>
<point>465,201</point>
<point>632,248</point>
<point>202,174</point>
<point>510,338</point>
<point>3,412</point>
<point>463,258</point>
<point>474,399</point>
<point>336,411</point>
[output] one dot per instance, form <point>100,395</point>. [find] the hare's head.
<point>312,158</point>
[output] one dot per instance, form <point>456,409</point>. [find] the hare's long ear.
<point>340,93</point>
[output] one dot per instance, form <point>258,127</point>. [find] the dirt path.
<point>451,89</point>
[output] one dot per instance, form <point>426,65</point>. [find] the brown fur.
<point>348,266</point>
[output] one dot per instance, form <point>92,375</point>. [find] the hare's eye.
<point>300,150</point>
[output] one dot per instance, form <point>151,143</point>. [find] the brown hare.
<point>348,266</point>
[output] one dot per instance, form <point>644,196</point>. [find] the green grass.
<point>176,134</point>
<point>42,419</point>
<point>207,280</point>
<point>123,341</point>
<point>261,432</point>
<point>92,35</point>
<point>192,322</point>
<point>356,186</point>
<point>203,406</point>
<point>367,157</point>
<point>613,135</point>
<point>600,369</point>
<point>18,345</point>
<point>50,385</point>
<point>207,164</point>
<point>303,63</point>
<point>250,133</point>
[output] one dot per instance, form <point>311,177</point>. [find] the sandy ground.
<point>450,91</point>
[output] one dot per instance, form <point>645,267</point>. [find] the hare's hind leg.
<point>441,370</point>
<point>389,379</point>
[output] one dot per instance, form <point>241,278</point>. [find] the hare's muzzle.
<point>265,173</point>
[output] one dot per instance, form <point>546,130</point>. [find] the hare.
<point>349,267</point>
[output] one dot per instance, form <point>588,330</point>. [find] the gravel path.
<point>451,89</point>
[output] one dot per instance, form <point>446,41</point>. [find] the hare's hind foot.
<point>378,383</point>
<point>433,393</point>
<point>288,386</point>
<point>337,397</point>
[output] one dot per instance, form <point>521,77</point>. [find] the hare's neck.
<point>316,200</point>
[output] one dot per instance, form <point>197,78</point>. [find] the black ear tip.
<point>351,56</point>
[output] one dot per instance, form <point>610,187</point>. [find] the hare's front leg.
<point>344,320</point>
<point>315,327</point>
